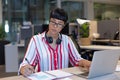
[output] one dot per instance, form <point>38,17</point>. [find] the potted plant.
<point>84,34</point>
<point>2,33</point>
<point>83,31</point>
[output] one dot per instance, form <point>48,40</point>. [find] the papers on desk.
<point>41,76</point>
<point>49,75</point>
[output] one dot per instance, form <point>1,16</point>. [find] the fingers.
<point>32,69</point>
<point>85,64</point>
<point>27,70</point>
<point>83,69</point>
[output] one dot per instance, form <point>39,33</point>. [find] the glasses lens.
<point>56,24</point>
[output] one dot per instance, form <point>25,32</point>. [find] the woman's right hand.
<point>27,70</point>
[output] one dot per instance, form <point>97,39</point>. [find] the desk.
<point>106,42</point>
<point>99,47</point>
<point>74,70</point>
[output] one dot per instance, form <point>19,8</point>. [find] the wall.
<point>93,28</point>
<point>108,28</point>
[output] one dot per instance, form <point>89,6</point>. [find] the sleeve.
<point>30,54</point>
<point>74,55</point>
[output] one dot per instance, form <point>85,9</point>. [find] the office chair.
<point>116,35</point>
<point>86,54</point>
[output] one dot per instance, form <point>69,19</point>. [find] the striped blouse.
<point>42,56</point>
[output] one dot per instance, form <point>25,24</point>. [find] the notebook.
<point>49,75</point>
<point>103,63</point>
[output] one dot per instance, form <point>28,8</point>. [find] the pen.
<point>29,64</point>
<point>27,60</point>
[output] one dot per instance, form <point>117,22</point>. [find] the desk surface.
<point>99,47</point>
<point>73,70</point>
<point>106,40</point>
<point>103,40</point>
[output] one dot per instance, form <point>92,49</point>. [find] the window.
<point>74,9</point>
<point>106,11</point>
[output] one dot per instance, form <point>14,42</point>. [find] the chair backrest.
<point>75,43</point>
<point>39,28</point>
<point>86,54</point>
<point>116,35</point>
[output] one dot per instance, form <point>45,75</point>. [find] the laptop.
<point>103,63</point>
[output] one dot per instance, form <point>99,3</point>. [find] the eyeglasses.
<point>57,24</point>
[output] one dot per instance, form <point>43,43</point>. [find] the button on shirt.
<point>44,57</point>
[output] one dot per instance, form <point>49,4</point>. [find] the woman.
<point>51,50</point>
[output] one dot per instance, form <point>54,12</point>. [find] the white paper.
<point>59,73</point>
<point>49,75</point>
<point>41,76</point>
<point>65,79</point>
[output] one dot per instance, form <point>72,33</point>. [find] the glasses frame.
<point>57,24</point>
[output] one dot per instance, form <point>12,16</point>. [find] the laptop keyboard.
<point>84,75</point>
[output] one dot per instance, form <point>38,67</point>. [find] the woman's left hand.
<point>84,64</point>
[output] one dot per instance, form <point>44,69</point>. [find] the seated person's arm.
<point>82,62</point>
<point>29,61</point>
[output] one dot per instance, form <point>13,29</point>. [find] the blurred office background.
<point>15,12</point>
